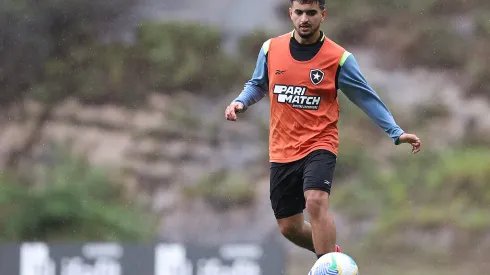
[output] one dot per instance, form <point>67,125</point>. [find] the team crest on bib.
<point>316,76</point>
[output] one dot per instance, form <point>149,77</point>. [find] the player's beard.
<point>308,34</point>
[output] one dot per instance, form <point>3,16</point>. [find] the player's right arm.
<point>255,89</point>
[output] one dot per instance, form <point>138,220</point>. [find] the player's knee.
<point>316,202</point>
<point>289,229</point>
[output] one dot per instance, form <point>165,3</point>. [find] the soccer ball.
<point>335,263</point>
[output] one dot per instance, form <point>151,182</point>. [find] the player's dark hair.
<point>321,3</point>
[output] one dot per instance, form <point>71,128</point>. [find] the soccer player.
<point>302,71</point>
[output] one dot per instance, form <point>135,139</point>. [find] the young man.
<point>302,72</point>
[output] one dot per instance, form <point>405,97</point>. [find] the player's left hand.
<point>411,139</point>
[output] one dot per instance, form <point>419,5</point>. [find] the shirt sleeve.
<point>353,84</point>
<point>256,88</point>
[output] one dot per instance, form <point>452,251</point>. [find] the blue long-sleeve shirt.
<point>350,81</point>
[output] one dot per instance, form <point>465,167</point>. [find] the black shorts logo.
<point>296,96</point>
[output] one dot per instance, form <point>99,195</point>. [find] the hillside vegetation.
<point>61,53</point>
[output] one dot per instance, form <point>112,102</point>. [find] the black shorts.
<point>289,181</point>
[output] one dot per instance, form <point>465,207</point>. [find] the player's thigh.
<point>318,171</point>
<point>286,190</point>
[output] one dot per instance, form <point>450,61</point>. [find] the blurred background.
<point>113,130</point>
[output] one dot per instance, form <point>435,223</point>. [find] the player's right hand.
<point>232,110</point>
